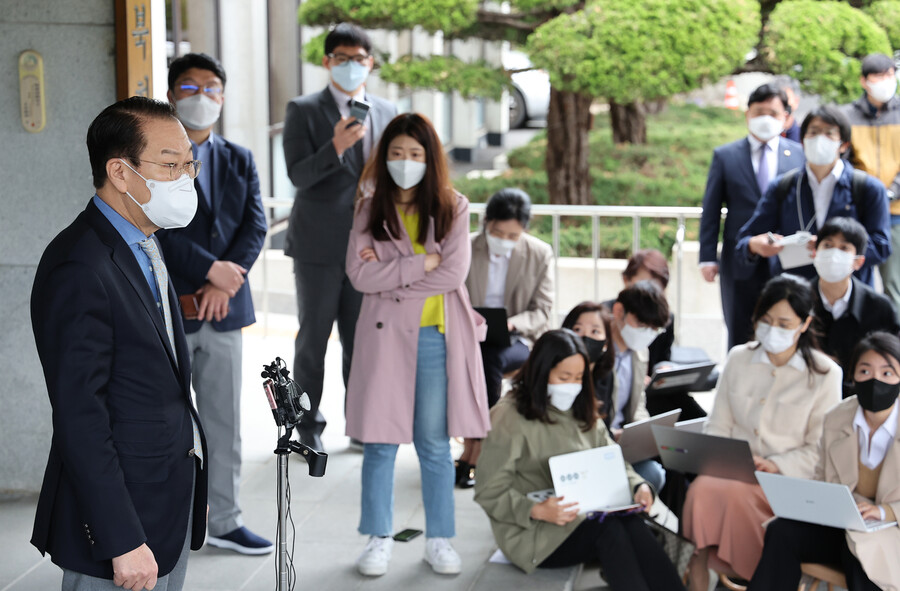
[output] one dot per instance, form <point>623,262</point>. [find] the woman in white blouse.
<point>773,393</point>
<point>860,449</point>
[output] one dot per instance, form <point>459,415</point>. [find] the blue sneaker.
<point>241,540</point>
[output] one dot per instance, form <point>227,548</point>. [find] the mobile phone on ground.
<point>407,534</point>
<point>359,109</point>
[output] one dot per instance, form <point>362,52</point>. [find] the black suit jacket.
<point>326,185</point>
<point>119,473</point>
<point>232,228</point>
<point>867,311</point>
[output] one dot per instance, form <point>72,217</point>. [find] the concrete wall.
<point>44,182</point>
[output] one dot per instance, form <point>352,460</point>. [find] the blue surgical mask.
<point>349,75</point>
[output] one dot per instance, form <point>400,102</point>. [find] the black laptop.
<point>498,333</point>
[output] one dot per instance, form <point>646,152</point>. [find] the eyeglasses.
<point>194,89</point>
<point>190,168</point>
<point>342,58</point>
<point>832,133</point>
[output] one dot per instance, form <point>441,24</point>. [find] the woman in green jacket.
<point>551,411</point>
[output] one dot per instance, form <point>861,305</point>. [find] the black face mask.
<point>876,396</point>
<point>595,348</point>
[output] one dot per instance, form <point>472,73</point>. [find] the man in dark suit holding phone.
<point>208,261</point>
<point>124,492</point>
<point>325,149</point>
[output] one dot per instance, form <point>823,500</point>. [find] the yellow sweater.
<point>433,311</point>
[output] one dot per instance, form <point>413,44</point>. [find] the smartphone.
<point>359,109</point>
<point>407,534</point>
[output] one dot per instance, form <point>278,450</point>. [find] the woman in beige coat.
<point>859,449</point>
<point>551,411</point>
<point>774,394</point>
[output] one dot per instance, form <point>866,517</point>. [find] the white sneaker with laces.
<point>373,562</point>
<point>442,557</point>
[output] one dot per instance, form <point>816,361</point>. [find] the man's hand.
<point>213,303</point>
<point>346,135</point>
<point>764,465</point>
<point>135,570</point>
<point>227,276</point>
<point>431,262</point>
<point>644,497</point>
<point>709,272</point>
<point>553,510</point>
<point>764,245</point>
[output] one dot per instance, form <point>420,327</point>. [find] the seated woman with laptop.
<point>773,393</point>
<point>860,449</point>
<point>551,411</point>
<point>510,270</point>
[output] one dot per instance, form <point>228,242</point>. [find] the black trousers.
<point>789,543</point>
<point>498,361</point>
<point>628,553</point>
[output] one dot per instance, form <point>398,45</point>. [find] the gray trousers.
<point>324,294</point>
<point>174,581</point>
<point>890,269</point>
<point>216,378</point>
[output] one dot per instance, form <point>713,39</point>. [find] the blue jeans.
<point>652,472</point>
<point>432,446</point>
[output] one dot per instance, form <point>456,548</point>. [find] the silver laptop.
<point>698,453</point>
<point>637,441</point>
<point>692,425</point>
<point>813,501</point>
<point>593,478</point>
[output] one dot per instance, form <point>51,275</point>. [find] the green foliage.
<point>670,169</point>
<point>433,16</point>
<point>887,14</point>
<point>314,49</point>
<point>448,74</point>
<point>821,44</point>
<point>632,51</point>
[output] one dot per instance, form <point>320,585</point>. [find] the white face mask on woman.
<point>563,396</point>
<point>774,339</point>
<point>499,246</point>
<point>406,173</point>
<point>821,150</point>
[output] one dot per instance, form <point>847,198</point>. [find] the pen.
<point>771,237</point>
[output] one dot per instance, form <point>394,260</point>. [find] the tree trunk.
<point>568,173</point>
<point>629,123</point>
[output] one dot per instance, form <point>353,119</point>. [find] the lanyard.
<point>800,208</point>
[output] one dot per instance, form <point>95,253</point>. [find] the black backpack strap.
<point>784,184</point>
<point>857,186</point>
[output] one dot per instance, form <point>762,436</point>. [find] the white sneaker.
<point>373,562</point>
<point>442,557</point>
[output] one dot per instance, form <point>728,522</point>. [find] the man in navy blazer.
<point>736,182</point>
<point>209,260</point>
<point>825,188</point>
<point>124,492</point>
<point>325,152</point>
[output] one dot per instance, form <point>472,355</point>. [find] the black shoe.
<point>311,440</point>
<point>465,474</point>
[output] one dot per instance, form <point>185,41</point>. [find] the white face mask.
<point>773,339</point>
<point>406,173</point>
<point>765,127</point>
<point>883,90</point>
<point>349,75</point>
<point>172,204</point>
<point>821,150</point>
<point>637,339</point>
<point>563,396</point>
<point>499,246</point>
<point>833,264</point>
<point>198,111</point>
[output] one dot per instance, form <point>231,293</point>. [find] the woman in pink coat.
<point>416,373</point>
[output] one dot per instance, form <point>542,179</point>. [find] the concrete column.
<point>496,116</point>
<point>284,57</point>
<point>201,30</point>
<point>244,45</point>
<point>45,181</point>
<point>466,131</point>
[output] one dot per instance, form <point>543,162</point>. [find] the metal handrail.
<point>595,212</point>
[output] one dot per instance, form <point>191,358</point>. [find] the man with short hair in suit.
<point>124,492</point>
<point>738,177</point>
<point>846,309</point>
<point>208,260</point>
<point>325,151</point>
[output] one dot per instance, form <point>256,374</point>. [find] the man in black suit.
<point>325,151</point>
<point>846,309</point>
<point>209,260</point>
<point>124,492</point>
<point>738,177</point>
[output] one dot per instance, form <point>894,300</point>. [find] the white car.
<point>530,97</point>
